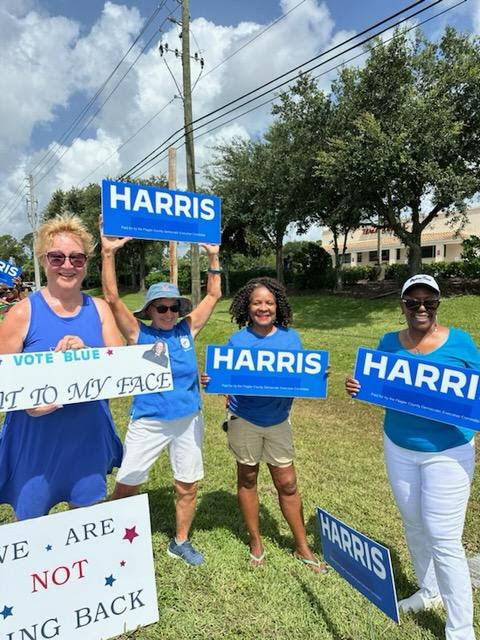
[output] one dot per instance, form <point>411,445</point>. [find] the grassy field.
<point>340,468</point>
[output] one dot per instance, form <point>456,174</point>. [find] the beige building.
<point>440,242</point>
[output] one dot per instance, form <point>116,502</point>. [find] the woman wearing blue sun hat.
<point>168,419</point>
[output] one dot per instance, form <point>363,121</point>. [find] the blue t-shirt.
<point>421,434</point>
<point>263,411</point>
<point>184,399</point>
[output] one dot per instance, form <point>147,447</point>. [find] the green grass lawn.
<point>340,468</point>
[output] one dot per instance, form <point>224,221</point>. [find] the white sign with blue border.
<point>266,372</point>
<point>9,271</point>
<point>157,213</point>
<point>420,387</point>
<point>364,563</point>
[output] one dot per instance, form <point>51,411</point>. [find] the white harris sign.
<point>29,380</point>
<point>86,573</point>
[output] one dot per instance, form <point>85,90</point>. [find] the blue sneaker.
<point>185,552</point>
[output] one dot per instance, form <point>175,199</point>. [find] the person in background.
<point>51,453</point>
<point>166,419</point>
<point>258,428</point>
<point>430,464</point>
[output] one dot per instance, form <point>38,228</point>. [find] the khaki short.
<point>251,444</point>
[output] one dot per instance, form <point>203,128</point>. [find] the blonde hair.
<point>63,223</point>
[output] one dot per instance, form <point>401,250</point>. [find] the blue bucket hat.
<point>163,290</point>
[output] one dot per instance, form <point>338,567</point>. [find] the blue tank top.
<point>64,455</point>
<point>184,399</point>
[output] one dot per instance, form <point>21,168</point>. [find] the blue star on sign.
<point>49,547</point>
<point>109,581</point>
<point>7,611</point>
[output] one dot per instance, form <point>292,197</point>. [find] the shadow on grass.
<point>318,608</point>
<point>215,510</point>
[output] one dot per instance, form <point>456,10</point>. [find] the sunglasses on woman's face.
<point>57,259</point>
<point>163,308</point>
<point>414,304</point>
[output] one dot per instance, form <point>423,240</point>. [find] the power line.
<point>57,160</point>
<point>150,156</point>
<point>272,24</point>
<point>90,103</point>
<point>258,106</point>
<point>126,141</point>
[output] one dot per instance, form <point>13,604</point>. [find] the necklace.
<point>415,348</point>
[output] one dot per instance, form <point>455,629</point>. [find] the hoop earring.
<point>402,319</point>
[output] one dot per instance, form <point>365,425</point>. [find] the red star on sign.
<point>122,563</point>
<point>109,352</point>
<point>130,534</point>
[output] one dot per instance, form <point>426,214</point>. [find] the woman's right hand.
<point>45,409</point>
<point>352,386</point>
<point>110,244</point>
<point>204,379</point>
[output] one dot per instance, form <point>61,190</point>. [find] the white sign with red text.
<point>29,380</point>
<point>86,573</point>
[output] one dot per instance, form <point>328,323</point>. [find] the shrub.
<point>352,275</point>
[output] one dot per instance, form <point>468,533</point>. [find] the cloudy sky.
<point>64,125</point>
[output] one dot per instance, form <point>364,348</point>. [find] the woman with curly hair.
<point>259,427</point>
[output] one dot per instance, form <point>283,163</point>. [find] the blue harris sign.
<point>420,387</point>
<point>266,372</point>
<point>364,563</point>
<point>156,213</point>
<point>9,271</point>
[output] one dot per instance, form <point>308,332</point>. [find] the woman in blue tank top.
<point>52,454</point>
<point>167,419</point>
<point>430,465</point>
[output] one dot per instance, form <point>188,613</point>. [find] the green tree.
<point>409,134</point>
<point>10,247</point>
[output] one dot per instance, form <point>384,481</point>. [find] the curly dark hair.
<point>241,300</point>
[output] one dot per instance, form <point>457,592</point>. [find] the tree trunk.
<point>415,251</point>
<point>226,276</point>
<point>141,269</point>
<point>279,258</point>
<point>338,263</point>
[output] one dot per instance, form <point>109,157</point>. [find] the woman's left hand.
<point>211,249</point>
<point>70,342</point>
<point>204,379</point>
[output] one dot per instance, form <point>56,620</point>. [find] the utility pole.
<point>32,208</point>
<point>172,184</point>
<point>190,152</point>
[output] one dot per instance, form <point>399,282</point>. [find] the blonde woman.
<point>52,454</point>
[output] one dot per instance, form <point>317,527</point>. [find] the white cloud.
<point>50,62</point>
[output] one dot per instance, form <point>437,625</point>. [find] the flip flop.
<point>312,564</point>
<point>257,561</point>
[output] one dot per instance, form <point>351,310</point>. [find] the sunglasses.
<point>57,259</point>
<point>163,308</point>
<point>414,304</point>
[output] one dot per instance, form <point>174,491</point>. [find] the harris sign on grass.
<point>29,380</point>
<point>157,213</point>
<point>363,562</point>
<point>419,387</point>
<point>266,372</point>
<point>82,574</point>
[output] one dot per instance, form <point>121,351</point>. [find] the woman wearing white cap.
<point>430,465</point>
<point>167,419</point>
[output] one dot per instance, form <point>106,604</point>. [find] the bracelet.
<point>210,270</point>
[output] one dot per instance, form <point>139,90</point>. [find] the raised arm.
<point>126,321</point>
<point>203,311</point>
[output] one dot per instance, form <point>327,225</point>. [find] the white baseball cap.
<point>419,279</point>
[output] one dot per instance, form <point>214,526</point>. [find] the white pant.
<point>147,438</point>
<point>431,491</point>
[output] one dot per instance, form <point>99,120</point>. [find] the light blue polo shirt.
<point>184,399</point>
